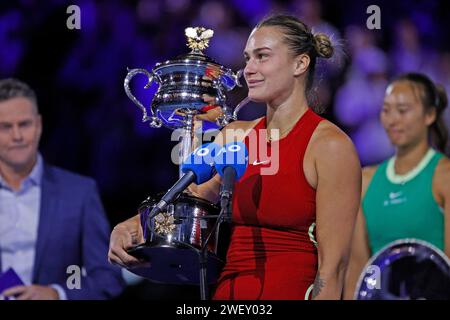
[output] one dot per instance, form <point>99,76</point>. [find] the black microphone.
<point>198,168</point>
<point>174,192</point>
<point>231,162</point>
<point>228,180</point>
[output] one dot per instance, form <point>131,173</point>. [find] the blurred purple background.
<point>91,127</point>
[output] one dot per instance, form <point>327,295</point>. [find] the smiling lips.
<point>254,83</point>
<point>395,132</point>
<point>18,147</point>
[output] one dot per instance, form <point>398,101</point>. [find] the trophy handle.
<point>155,122</point>
<point>238,76</point>
<point>239,107</point>
<point>227,116</point>
<point>224,119</point>
<point>230,80</point>
<point>221,97</point>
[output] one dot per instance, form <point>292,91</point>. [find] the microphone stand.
<point>224,216</point>
<point>186,147</point>
<point>226,193</point>
<point>203,256</point>
<point>203,263</point>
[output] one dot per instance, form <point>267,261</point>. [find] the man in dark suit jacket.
<point>53,229</point>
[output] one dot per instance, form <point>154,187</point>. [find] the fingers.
<point>121,239</point>
<point>136,238</point>
<point>211,114</point>
<point>180,113</point>
<point>14,291</point>
<point>27,295</point>
<point>31,292</point>
<point>120,257</point>
<point>201,117</point>
<point>125,236</point>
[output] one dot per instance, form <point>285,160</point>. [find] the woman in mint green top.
<point>400,206</point>
<point>408,195</point>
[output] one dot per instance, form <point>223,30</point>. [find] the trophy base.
<point>172,265</point>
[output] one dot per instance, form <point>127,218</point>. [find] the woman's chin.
<point>255,97</point>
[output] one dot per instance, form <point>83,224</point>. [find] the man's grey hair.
<point>13,88</point>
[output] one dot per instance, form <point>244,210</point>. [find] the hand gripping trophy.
<point>177,237</point>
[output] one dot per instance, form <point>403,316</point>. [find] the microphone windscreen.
<point>201,162</point>
<point>233,154</point>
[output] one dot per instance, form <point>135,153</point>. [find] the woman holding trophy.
<point>291,229</point>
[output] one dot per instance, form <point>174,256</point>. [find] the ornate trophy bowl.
<point>182,83</point>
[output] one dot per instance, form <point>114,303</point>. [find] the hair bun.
<point>322,44</point>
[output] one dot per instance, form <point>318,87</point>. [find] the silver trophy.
<point>190,225</point>
<point>182,83</point>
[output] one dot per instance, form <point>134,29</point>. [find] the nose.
<point>390,119</point>
<point>250,68</point>
<point>17,133</point>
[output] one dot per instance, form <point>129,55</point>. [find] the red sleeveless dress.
<point>272,253</point>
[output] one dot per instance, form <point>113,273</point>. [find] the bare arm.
<point>447,219</point>
<point>441,183</point>
<point>360,252</point>
<point>337,199</point>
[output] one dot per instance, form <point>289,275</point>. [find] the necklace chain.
<point>269,136</point>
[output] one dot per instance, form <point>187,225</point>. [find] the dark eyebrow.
<point>255,51</point>
<point>407,105</point>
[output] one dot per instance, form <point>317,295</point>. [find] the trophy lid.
<point>197,40</point>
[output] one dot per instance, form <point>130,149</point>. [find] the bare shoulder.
<point>443,167</point>
<point>331,140</point>
<point>337,167</point>
<point>335,140</point>
<point>442,174</point>
<point>334,154</point>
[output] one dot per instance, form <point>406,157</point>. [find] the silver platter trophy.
<point>406,269</point>
<point>189,227</point>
